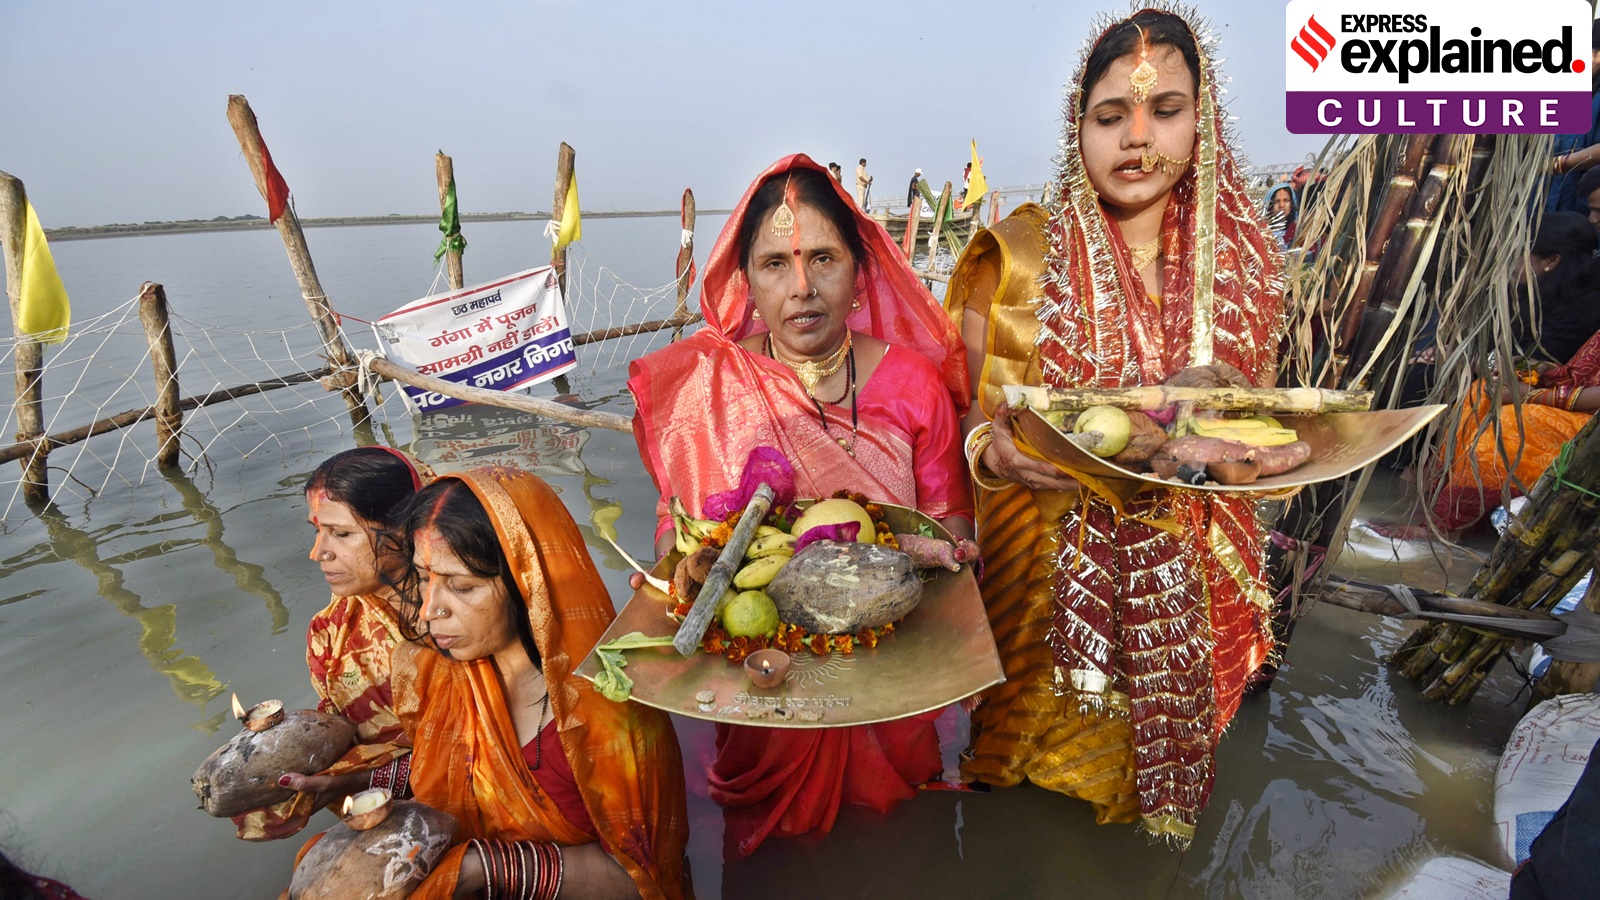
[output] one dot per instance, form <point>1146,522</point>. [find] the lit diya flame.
<point>260,717</point>
<point>767,668</point>
<point>366,809</point>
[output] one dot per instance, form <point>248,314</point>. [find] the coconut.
<point>1110,423</point>
<point>835,512</point>
<point>243,774</point>
<point>840,587</point>
<point>384,862</point>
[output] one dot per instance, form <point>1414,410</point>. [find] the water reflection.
<point>191,679</point>
<point>249,577</point>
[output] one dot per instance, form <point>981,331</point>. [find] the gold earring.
<point>755,314</point>
<point>854,303</point>
<point>1143,79</point>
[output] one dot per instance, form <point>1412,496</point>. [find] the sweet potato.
<point>243,774</point>
<point>1282,458</point>
<point>929,553</point>
<point>385,862</point>
<point>1199,451</point>
<point>1146,438</point>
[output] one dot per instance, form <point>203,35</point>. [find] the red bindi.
<point>797,251</point>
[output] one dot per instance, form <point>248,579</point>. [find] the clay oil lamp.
<point>260,717</point>
<point>767,668</point>
<point>366,809</point>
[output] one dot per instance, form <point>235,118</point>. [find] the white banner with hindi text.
<point>506,334</point>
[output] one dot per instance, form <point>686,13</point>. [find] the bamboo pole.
<point>164,365</point>
<point>445,171</point>
<point>46,443</point>
<point>685,265</point>
<point>246,130</point>
<point>938,223</point>
<point>908,241</point>
<point>547,408</point>
<point>619,331</point>
<point>29,358</point>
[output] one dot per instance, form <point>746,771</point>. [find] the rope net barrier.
<point>103,369</point>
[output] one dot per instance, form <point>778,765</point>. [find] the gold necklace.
<point>1144,254</point>
<point>811,373</point>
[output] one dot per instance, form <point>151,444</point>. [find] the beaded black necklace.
<point>849,444</point>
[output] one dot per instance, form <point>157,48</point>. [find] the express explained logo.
<point>1313,43</point>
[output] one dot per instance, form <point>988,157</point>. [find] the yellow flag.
<point>44,312</point>
<point>571,225</point>
<point>976,185</point>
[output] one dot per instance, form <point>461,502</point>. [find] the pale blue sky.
<point>115,111</point>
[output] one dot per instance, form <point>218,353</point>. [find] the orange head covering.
<point>467,759</point>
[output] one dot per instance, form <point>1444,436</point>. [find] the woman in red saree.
<point>348,644</point>
<point>822,343</point>
<point>1127,626</point>
<point>537,767</point>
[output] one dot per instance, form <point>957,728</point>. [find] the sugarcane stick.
<point>1396,197</point>
<point>1158,396</point>
<point>1565,676</point>
<point>722,571</point>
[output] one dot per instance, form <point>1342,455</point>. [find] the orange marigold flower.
<point>841,494</point>
<point>819,644</point>
<point>868,637</point>
<point>875,511</point>
<point>886,630</point>
<point>842,643</point>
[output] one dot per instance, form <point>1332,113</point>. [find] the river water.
<point>127,617</point>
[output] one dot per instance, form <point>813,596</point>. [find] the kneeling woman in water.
<point>534,763</point>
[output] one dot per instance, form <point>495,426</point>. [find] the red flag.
<point>277,188</point>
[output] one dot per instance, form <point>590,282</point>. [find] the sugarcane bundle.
<point>1547,550</point>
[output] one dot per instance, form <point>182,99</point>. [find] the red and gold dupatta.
<point>467,760</point>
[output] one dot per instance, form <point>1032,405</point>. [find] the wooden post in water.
<point>566,158</point>
<point>29,353</point>
<point>685,259</point>
<point>564,163</point>
<point>446,171</point>
<point>345,377</point>
<point>913,222</point>
<point>164,363</point>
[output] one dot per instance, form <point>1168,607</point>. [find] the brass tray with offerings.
<point>941,652</point>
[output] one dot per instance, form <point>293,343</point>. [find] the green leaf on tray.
<point>612,683</point>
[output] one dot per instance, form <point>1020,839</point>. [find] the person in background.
<point>558,791</point>
<point>1589,190</point>
<point>1282,211</point>
<point>966,179</point>
<point>837,172</point>
<point>349,499</point>
<point>912,194</point>
<point>863,183</point>
<point>1575,153</point>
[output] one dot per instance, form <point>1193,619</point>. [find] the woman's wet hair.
<point>1160,29</point>
<point>816,190</point>
<point>371,481</point>
<point>452,511</point>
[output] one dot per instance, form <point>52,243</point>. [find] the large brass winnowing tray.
<point>941,652</point>
<point>1341,443</point>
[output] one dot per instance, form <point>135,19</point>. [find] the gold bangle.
<point>978,440</point>
<point>1577,395</point>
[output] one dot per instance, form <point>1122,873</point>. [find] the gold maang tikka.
<point>783,216</point>
<point>1143,79</point>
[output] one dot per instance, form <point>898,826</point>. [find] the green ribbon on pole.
<point>450,224</point>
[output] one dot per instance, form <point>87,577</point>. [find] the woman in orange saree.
<point>1127,627</point>
<point>348,644</point>
<point>1529,435</point>
<point>821,343</point>
<point>547,778</point>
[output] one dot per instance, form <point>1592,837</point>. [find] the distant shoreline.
<point>197,226</point>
